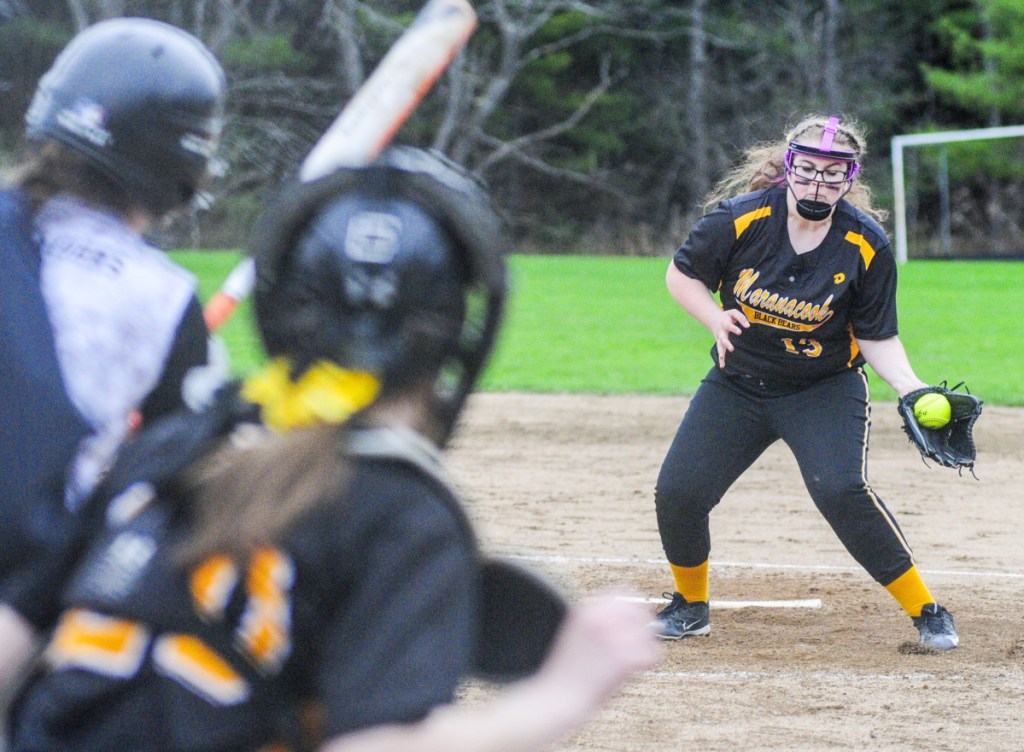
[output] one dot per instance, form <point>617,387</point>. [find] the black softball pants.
<point>730,423</point>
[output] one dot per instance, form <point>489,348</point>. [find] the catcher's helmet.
<point>142,100</point>
<point>396,269</point>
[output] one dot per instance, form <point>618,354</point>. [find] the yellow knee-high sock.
<point>910,591</point>
<point>691,582</point>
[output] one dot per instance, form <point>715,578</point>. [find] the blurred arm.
<point>18,646</point>
<point>602,644</point>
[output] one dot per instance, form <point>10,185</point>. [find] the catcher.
<point>807,285</point>
<point>314,583</point>
<point>96,323</point>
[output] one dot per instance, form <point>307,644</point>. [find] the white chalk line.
<point>844,677</point>
<point>806,603</point>
<point>754,565</point>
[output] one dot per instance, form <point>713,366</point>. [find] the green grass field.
<point>607,325</point>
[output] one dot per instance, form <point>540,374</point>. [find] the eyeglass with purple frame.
<point>829,175</point>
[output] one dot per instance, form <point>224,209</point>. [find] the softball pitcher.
<point>807,283</point>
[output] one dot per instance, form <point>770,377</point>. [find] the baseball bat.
<point>372,116</point>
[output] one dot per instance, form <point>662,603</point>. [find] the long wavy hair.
<point>251,490</point>
<point>51,168</point>
<point>763,164</point>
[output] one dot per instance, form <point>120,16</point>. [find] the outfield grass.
<point>212,268</point>
<point>607,325</point>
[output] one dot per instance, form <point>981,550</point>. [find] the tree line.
<point>599,125</point>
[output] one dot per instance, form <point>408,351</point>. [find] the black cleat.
<point>682,619</point>
<point>936,627</point>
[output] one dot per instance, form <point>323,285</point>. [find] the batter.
<point>121,134</point>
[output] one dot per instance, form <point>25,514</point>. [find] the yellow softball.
<point>932,410</point>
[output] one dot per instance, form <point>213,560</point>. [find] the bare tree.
<point>87,12</point>
<point>698,151</point>
<point>79,13</point>
<point>480,83</point>
<point>340,17</point>
<point>830,51</point>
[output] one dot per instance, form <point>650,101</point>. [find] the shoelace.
<point>938,622</point>
<point>676,602</point>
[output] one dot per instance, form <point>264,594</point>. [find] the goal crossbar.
<point>923,139</point>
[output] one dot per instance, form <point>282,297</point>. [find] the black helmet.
<point>142,100</point>
<point>396,269</point>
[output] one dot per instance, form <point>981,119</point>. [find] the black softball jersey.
<point>367,611</point>
<point>806,310</point>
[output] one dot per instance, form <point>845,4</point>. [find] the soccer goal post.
<point>899,143</point>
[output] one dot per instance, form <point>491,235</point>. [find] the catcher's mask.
<point>815,209</point>
<point>396,269</point>
<point>141,100</point>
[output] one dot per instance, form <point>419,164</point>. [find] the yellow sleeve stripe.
<point>97,643</point>
<point>866,251</point>
<point>854,347</point>
<point>211,584</point>
<point>744,221</point>
<point>191,662</point>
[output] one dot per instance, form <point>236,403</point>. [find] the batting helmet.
<point>396,269</point>
<point>142,100</point>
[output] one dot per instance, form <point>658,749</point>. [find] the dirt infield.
<point>566,483</point>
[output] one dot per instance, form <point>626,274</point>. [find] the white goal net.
<point>959,194</point>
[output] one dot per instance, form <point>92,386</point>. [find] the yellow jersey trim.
<point>866,251</point>
<point>854,347</point>
<point>744,221</point>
